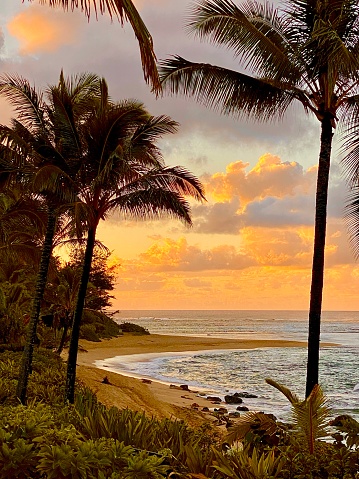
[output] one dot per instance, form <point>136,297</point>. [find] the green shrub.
<point>48,440</point>
<point>127,327</point>
<point>88,331</point>
<point>98,325</point>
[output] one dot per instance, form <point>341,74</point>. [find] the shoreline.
<point>150,395</point>
<point>130,344</point>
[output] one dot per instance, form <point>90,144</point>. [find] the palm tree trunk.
<point>75,334</point>
<point>316,291</point>
<point>25,367</point>
<point>63,339</point>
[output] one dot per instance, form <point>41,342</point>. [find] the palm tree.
<point>308,54</point>
<point>124,10</point>
<point>124,172</point>
<point>21,231</point>
<point>44,141</point>
<point>60,295</point>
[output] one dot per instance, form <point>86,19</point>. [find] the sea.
<point>224,372</point>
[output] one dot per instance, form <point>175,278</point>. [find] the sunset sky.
<point>251,244</point>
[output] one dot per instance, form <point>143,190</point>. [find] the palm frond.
<point>351,217</point>
<point>50,180</point>
<point>82,219</point>
<point>124,10</point>
<point>350,139</point>
<point>310,416</point>
<point>152,203</point>
<point>154,128</point>
<point>230,92</point>
<point>179,179</point>
<point>171,178</point>
<point>26,101</point>
<point>72,98</point>
<point>111,126</point>
<point>251,422</point>
<point>254,31</point>
<point>292,397</point>
<point>78,241</point>
<point>142,146</point>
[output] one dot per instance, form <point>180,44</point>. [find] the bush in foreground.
<point>47,439</point>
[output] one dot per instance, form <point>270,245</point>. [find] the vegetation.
<point>124,10</point>
<point>47,439</point>
<point>127,327</point>
<point>305,53</point>
<point>122,171</point>
<point>83,156</point>
<point>41,147</point>
<point>71,159</point>
<point>61,295</point>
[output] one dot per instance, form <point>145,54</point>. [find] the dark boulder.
<point>214,398</point>
<point>233,399</point>
<point>246,395</point>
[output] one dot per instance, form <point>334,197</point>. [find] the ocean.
<point>222,372</point>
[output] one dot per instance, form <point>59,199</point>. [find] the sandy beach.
<point>156,399</point>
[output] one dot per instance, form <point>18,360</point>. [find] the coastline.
<point>155,398</point>
<point>129,344</point>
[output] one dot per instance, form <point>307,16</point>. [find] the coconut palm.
<point>21,231</point>
<point>124,172</point>
<point>307,54</point>
<point>61,295</point>
<point>43,142</point>
<point>124,10</point>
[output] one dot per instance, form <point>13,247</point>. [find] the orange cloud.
<point>43,30</point>
<point>267,216</point>
<point>269,287</point>
<point>167,254</point>
<point>269,177</point>
<point>279,246</point>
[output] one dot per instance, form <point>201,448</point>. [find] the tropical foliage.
<point>46,438</point>
<point>123,171</point>
<point>82,157</point>
<point>305,53</point>
<point>41,148</point>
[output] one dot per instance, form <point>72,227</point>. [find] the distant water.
<point>220,372</point>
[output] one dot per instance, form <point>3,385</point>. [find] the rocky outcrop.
<point>233,399</point>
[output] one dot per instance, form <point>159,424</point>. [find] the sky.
<point>250,246</point>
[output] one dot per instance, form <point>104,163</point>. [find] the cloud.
<point>273,212</point>
<point>2,40</point>
<point>198,283</point>
<point>272,194</point>
<point>166,254</point>
<point>142,283</point>
<point>220,218</point>
<point>38,29</point>
<point>199,160</point>
<point>279,246</point>
<point>269,177</point>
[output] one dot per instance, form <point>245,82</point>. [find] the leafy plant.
<point>311,416</point>
<point>350,427</point>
